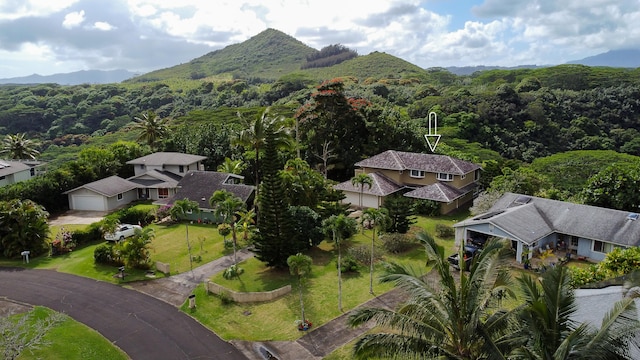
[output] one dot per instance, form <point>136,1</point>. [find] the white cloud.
<point>104,26</point>
<point>73,19</point>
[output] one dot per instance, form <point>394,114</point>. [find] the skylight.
<point>488,215</point>
<point>633,216</point>
<point>523,199</point>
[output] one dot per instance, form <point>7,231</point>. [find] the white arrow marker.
<point>433,137</point>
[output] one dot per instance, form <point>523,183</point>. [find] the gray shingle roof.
<point>111,186</point>
<point>199,185</point>
<point>441,192</point>
<point>382,186</point>
<point>432,163</point>
<point>535,217</point>
<point>159,179</point>
<point>8,167</point>
<point>167,158</point>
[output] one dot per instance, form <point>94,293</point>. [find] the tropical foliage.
<point>23,227</point>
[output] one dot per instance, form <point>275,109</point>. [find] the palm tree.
<point>380,220</point>
<point>179,210</point>
<point>232,166</point>
<point>18,147</point>
<point>549,332</point>
<point>135,250</point>
<point>457,320</point>
<point>336,226</point>
<point>152,128</point>
<point>254,137</point>
<point>361,180</point>
<point>226,206</point>
<point>300,267</point>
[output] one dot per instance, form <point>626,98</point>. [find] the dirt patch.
<point>8,308</point>
<point>77,217</point>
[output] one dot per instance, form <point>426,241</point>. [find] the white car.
<point>122,231</point>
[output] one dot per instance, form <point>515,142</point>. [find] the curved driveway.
<point>142,326</point>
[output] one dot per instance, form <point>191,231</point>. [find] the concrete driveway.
<point>77,217</point>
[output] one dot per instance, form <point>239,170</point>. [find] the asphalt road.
<point>142,326</point>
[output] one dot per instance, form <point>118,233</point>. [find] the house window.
<point>163,193</point>
<point>445,177</point>
<point>181,168</point>
<point>602,247</point>
<point>120,196</point>
<point>417,173</point>
<point>574,242</point>
<point>2,177</point>
<point>463,176</point>
<point>476,176</point>
<point>141,166</point>
<point>32,172</point>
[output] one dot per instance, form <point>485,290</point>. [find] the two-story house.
<point>447,180</point>
<point>12,171</point>
<point>157,177</point>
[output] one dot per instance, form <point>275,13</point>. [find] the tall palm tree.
<point>549,331</point>
<point>18,147</point>
<point>254,137</point>
<point>380,219</point>
<point>226,206</point>
<point>336,226</point>
<point>300,267</point>
<point>152,128</point>
<point>178,211</point>
<point>457,320</point>
<point>361,180</point>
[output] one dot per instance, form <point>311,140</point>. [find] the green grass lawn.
<point>276,320</point>
<point>70,340</point>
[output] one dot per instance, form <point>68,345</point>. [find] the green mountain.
<point>270,55</point>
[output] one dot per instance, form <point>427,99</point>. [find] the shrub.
<point>348,264</point>
<point>426,207</point>
<point>396,243</point>
<point>583,276</point>
<point>88,235</point>
<point>105,254</point>
<point>132,215</point>
<point>362,254</point>
<point>445,231</point>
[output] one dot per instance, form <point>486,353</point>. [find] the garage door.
<point>88,202</point>
<point>368,201</point>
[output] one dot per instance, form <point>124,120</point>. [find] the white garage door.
<point>88,202</point>
<point>368,201</point>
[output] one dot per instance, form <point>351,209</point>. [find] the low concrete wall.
<point>163,268</point>
<point>247,297</point>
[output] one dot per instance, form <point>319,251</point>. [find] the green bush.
<point>621,261</point>
<point>90,234</point>
<point>396,243</point>
<point>583,276</point>
<point>348,264</point>
<point>105,254</point>
<point>445,231</point>
<point>426,207</point>
<point>132,215</point>
<point>362,254</point>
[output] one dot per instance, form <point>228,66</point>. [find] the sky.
<point>58,36</point>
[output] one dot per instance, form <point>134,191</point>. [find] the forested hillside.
<point>496,116</point>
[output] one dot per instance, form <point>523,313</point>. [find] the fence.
<point>247,297</point>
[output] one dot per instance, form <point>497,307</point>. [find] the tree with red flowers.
<point>329,116</point>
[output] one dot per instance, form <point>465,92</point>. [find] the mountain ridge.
<point>73,78</point>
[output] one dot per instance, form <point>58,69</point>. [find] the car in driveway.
<point>122,232</point>
<point>468,254</point>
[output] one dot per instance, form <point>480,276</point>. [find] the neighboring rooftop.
<point>198,186</point>
<point>111,186</point>
<point>381,186</point>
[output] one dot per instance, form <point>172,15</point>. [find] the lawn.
<point>71,340</point>
<point>276,320</point>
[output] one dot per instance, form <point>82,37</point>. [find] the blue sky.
<point>55,36</point>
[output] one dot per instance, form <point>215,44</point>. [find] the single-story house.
<point>103,195</point>
<point>199,186</point>
<point>534,224</point>
<point>449,181</point>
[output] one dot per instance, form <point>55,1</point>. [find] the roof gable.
<point>198,186</point>
<point>166,158</point>
<point>381,186</point>
<point>438,192</point>
<point>111,186</point>
<point>8,167</point>
<point>432,163</point>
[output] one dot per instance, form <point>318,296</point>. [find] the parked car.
<point>122,231</point>
<point>469,253</point>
